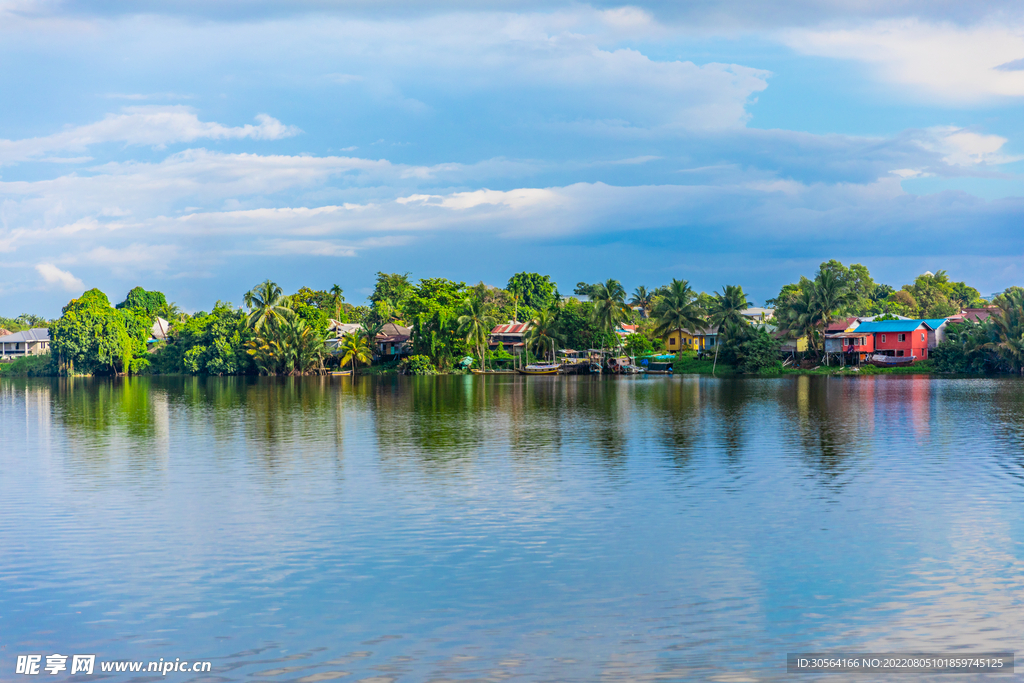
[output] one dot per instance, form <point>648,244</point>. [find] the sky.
<point>199,148</point>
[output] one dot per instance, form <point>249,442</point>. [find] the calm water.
<point>526,529</point>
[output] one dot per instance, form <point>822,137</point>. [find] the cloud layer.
<point>476,141</point>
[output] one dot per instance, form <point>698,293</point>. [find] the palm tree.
<point>267,303</point>
<point>338,298</point>
<point>677,309</point>
<point>799,317</point>
<point>642,299</point>
<point>355,350</point>
<point>726,311</point>
<point>831,296</point>
<point>544,331</point>
<point>1008,326</point>
<point>474,326</point>
<point>610,308</point>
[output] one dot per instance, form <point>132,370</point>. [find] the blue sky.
<point>199,148</point>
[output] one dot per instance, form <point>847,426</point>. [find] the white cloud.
<point>55,276</point>
<point>152,126</point>
<point>938,60</point>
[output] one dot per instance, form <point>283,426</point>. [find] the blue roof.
<point>934,322</point>
<point>893,325</point>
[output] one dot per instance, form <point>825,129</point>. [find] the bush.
<point>30,366</point>
<point>417,365</point>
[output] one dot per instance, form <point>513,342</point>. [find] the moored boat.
<point>540,369</point>
<point>340,373</point>
<point>477,371</point>
<point>882,361</point>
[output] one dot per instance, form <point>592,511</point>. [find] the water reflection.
<point>578,528</point>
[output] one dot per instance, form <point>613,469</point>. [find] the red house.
<point>897,337</point>
<point>859,343</point>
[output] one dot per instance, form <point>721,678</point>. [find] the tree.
<point>433,307</point>
<point>677,309</point>
<point>544,332</point>
<point>267,303</point>
<point>144,303</point>
<point>208,343</point>
<point>475,324</point>
<point>642,299</point>
<point>338,300</point>
<point>355,350</point>
<point>831,296</point>
<point>726,311</point>
<point>91,337</point>
<point>534,290</point>
<point>583,289</point>
<point>637,345</point>
<point>390,294</point>
<point>609,299</point>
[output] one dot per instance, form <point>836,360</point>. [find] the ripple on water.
<point>461,528</point>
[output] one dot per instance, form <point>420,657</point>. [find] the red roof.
<point>840,325</point>
<point>978,314</point>
<point>511,328</point>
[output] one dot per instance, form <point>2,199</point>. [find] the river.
<point>508,528</point>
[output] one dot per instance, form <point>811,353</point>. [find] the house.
<point>842,325</point>
<point>857,345</point>
<point>685,340</point>
<point>508,336</point>
<point>898,337</point>
<point>756,314</point>
<point>937,333</point>
<point>975,315</point>
<point>160,329</point>
<point>624,331</point>
<point>28,343</point>
<point>393,340</point>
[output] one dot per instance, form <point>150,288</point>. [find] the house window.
<point>922,336</point>
<point>860,341</point>
<point>672,341</point>
<point>900,352</point>
<point>883,338</point>
<point>901,337</point>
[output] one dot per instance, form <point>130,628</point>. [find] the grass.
<point>689,365</point>
<point>923,367</point>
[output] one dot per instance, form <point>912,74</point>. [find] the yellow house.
<point>684,340</point>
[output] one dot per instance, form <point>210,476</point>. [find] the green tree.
<point>726,315</point>
<point>677,309</point>
<point>544,333</point>
<point>609,299</point>
<point>267,304</point>
<point>433,307</point>
<point>475,325</point>
<point>642,299</point>
<point>355,349</point>
<point>533,289</point>
<point>146,304</point>
<point>93,337</point>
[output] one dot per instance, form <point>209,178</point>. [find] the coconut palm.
<point>800,317</point>
<point>544,332</point>
<point>1008,325</point>
<point>610,308</point>
<point>338,299</point>
<point>266,303</point>
<point>642,299</point>
<point>355,349</point>
<point>726,313</point>
<point>677,309</point>
<point>831,296</point>
<point>475,324</point>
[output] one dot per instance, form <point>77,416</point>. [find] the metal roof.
<point>934,323</point>
<point>892,326</point>
<point>511,328</point>
<point>36,334</point>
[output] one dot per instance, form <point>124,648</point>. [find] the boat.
<point>540,369</point>
<point>659,368</point>
<point>882,361</point>
<point>477,371</point>
<point>340,373</point>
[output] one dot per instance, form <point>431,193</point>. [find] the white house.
<point>28,343</point>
